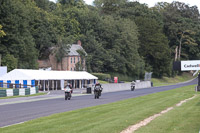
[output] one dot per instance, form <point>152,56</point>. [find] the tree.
<point>2,33</point>
<point>80,66</point>
<point>180,25</point>
<point>61,50</point>
<point>153,44</point>
<point>185,38</point>
<point>72,3</point>
<point>43,31</point>
<point>18,40</point>
<point>10,61</point>
<point>109,6</point>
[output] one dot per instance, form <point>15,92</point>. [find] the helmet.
<point>97,83</point>
<point>68,84</point>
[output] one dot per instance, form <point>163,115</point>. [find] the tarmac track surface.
<point>20,112</point>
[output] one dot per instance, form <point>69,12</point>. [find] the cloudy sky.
<point>153,2</point>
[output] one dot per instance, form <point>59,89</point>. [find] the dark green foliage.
<point>10,61</point>
<point>153,45</point>
<point>181,25</point>
<point>80,66</point>
<point>121,37</point>
<point>109,6</point>
<point>61,51</point>
<point>43,32</point>
<point>124,77</point>
<point>2,33</point>
<point>43,4</point>
<point>15,18</point>
<point>102,76</point>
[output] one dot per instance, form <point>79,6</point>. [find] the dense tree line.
<point>119,36</point>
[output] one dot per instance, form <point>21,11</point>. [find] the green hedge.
<point>102,76</point>
<point>122,77</point>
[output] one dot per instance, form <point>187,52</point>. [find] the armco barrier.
<point>18,92</point>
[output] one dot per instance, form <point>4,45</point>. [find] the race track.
<point>20,112</point>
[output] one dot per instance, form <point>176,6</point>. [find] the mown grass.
<point>108,118</point>
<point>169,80</point>
<point>38,94</point>
<point>164,81</point>
<point>183,119</point>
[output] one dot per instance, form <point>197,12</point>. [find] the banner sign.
<point>115,79</point>
<point>190,65</point>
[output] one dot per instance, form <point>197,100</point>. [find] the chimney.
<point>79,42</point>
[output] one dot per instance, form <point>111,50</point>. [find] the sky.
<point>151,3</point>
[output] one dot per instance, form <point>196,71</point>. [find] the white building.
<point>46,80</point>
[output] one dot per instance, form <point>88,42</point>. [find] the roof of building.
<point>29,74</point>
<point>73,50</point>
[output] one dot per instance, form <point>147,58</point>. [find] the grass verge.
<point>183,119</point>
<point>108,118</point>
<point>169,81</point>
<point>38,94</point>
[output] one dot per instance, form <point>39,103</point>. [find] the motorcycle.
<point>132,86</point>
<point>97,91</point>
<point>68,93</point>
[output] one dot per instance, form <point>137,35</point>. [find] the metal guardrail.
<point>12,85</point>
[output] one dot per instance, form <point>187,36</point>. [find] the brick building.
<point>69,61</point>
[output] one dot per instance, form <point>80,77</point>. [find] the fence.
<point>12,85</point>
<point>18,92</point>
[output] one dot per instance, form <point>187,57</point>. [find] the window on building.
<point>71,59</point>
<point>78,59</point>
<point>71,69</point>
<point>74,60</point>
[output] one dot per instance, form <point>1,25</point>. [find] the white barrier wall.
<point>22,92</point>
<point>32,90</point>
<point>142,84</point>
<point>9,92</point>
<point>112,87</point>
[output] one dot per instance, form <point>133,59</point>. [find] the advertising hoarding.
<point>115,79</point>
<point>190,65</point>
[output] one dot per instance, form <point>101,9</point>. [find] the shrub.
<point>123,77</point>
<point>102,76</point>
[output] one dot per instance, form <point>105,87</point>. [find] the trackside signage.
<point>190,65</point>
